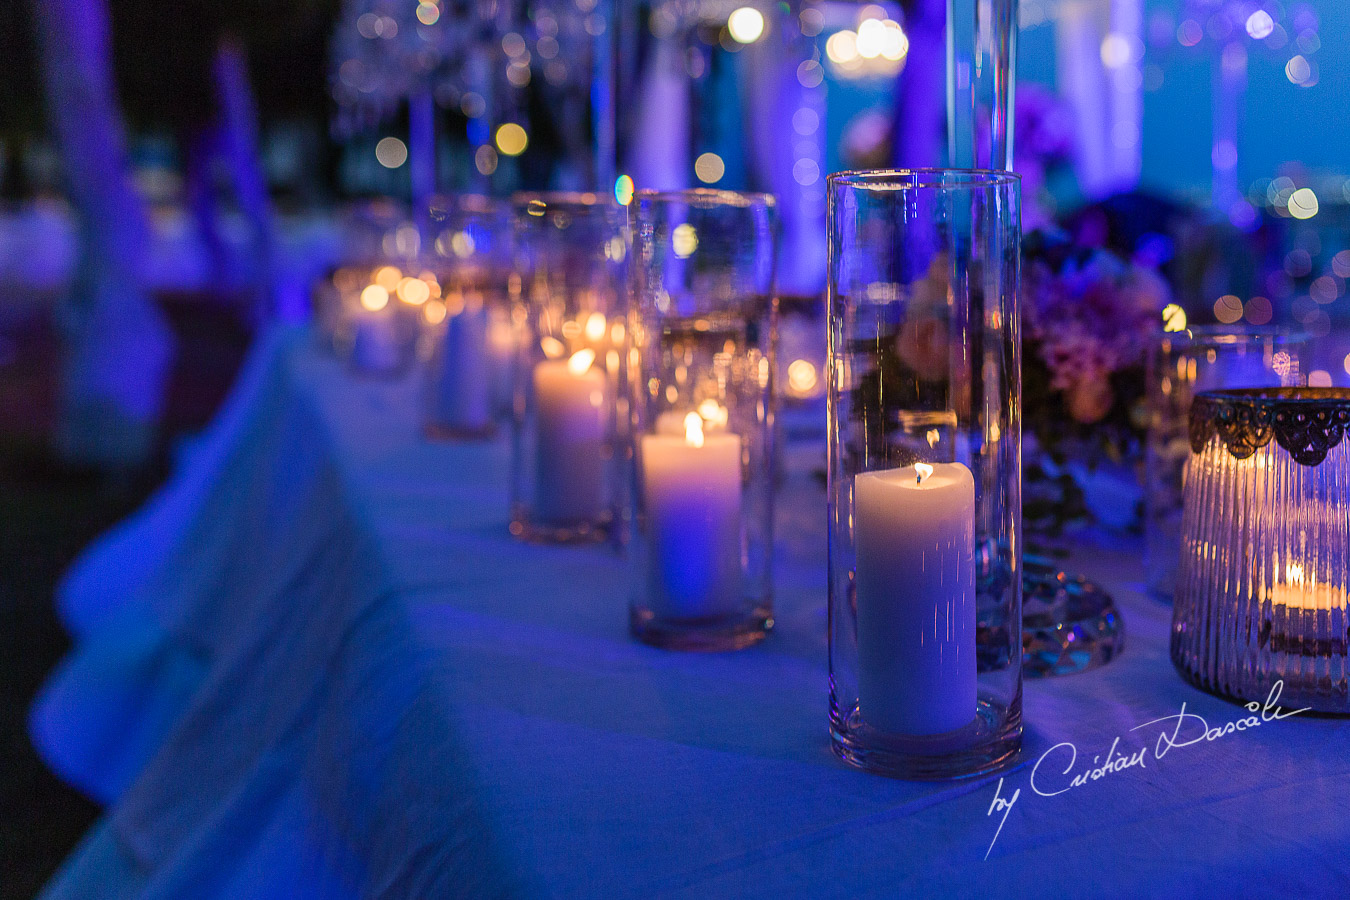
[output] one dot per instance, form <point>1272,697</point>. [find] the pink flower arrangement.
<point>1087,320</point>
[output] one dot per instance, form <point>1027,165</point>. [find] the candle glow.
<point>713,413</point>
<point>581,361</point>
<point>595,326</point>
<point>374,298</point>
<point>1299,592</point>
<point>693,430</point>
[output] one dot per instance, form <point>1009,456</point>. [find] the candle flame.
<point>454,303</point>
<point>374,298</point>
<point>552,347</point>
<point>924,471</point>
<point>801,377</point>
<point>413,291</point>
<point>581,361</point>
<point>595,326</point>
<point>434,312</point>
<point>693,430</point>
<point>1293,574</point>
<point>713,412</point>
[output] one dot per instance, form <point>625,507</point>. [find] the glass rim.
<point>707,198</point>
<point>1273,397</point>
<point>1223,335</point>
<point>466,202</point>
<point>379,204</point>
<point>921,178</point>
<point>565,199</point>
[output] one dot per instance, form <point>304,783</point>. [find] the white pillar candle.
<point>460,387</point>
<point>502,346</point>
<point>570,461</point>
<point>377,344</point>
<point>691,490</point>
<point>914,530</point>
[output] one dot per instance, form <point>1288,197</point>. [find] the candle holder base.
<point>585,531</point>
<point>368,371</point>
<point>1322,695</point>
<point>1069,624</point>
<point>990,743</point>
<point>438,431</point>
<point>707,635</point>
<point>1305,651</point>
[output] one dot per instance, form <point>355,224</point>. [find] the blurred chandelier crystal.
<point>384,51</point>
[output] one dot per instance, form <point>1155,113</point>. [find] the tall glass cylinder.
<point>702,327</point>
<point>368,237</point>
<point>981,74</point>
<point>925,471</point>
<point>469,336</point>
<point>569,388</point>
<point>359,314</point>
<point>1181,364</point>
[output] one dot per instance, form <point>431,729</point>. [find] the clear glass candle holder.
<point>469,335</point>
<point>801,352</point>
<point>702,327</point>
<point>569,387</point>
<point>1182,364</point>
<point>370,234</point>
<point>1264,591</point>
<point>379,327</point>
<point>924,488</point>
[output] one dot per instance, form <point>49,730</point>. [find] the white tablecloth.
<point>318,666</point>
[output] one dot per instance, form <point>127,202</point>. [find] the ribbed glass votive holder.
<point>1182,364</point>
<point>1264,590</point>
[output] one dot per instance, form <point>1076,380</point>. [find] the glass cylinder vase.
<point>380,324</point>
<point>370,234</point>
<point>1263,598</point>
<point>360,314</point>
<point>1182,364</point>
<point>981,73</point>
<point>469,335</point>
<point>925,471</point>
<point>569,387</point>
<point>702,328</point>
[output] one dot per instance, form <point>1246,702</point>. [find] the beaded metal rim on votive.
<point>1308,422</point>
